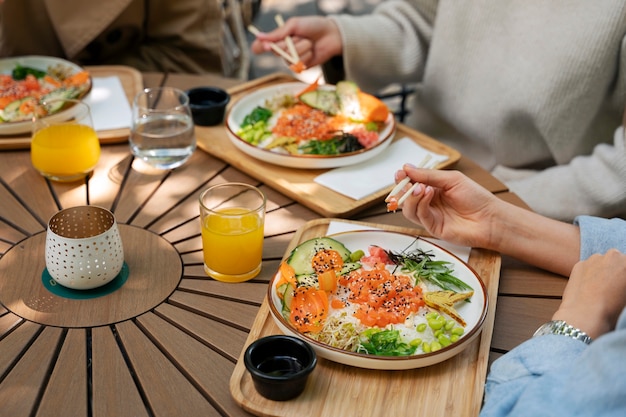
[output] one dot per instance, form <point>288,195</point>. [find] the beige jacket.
<point>193,36</point>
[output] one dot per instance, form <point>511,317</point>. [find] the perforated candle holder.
<point>83,247</point>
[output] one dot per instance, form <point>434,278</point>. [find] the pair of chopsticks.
<point>292,57</point>
<point>400,186</point>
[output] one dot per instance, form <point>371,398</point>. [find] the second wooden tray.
<point>299,183</point>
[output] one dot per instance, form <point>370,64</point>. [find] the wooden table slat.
<point>66,392</point>
<point>237,314</point>
<point>178,397</point>
<point>13,345</point>
<point>109,369</point>
<point>517,318</point>
<point>30,374</point>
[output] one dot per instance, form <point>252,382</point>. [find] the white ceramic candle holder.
<point>83,247</point>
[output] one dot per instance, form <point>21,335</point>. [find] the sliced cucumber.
<point>14,106</point>
<point>348,95</point>
<point>287,299</point>
<point>324,100</point>
<point>59,94</point>
<point>349,267</point>
<point>12,112</point>
<point>300,257</point>
<point>307,280</point>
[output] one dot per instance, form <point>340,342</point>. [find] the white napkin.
<point>365,178</point>
<point>462,252</point>
<point>109,106</point>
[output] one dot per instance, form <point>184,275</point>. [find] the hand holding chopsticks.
<point>393,202</point>
<point>292,56</point>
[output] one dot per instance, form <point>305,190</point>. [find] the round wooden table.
<point>166,343</point>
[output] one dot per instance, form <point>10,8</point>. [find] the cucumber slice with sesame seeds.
<point>300,257</point>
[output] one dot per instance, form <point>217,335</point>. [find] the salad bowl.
<point>473,311</point>
<point>51,66</point>
<point>245,105</point>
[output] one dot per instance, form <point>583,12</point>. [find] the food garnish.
<point>381,303</point>
<point>445,300</point>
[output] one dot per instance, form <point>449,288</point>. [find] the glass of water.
<point>162,131</point>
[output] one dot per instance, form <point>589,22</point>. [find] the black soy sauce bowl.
<point>208,105</point>
<point>280,366</point>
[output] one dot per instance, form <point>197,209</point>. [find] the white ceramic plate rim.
<point>474,313</point>
<point>39,62</point>
<point>247,103</point>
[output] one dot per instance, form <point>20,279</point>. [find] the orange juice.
<point>65,151</point>
<point>232,241</point>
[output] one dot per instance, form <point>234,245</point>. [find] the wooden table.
<point>173,353</point>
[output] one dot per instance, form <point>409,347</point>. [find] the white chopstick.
<point>408,193</point>
<point>274,47</point>
<point>406,180</point>
<point>399,186</point>
<point>292,48</point>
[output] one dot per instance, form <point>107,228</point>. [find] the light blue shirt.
<point>558,376</point>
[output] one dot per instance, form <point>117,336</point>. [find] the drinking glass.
<point>162,131</point>
<point>232,216</point>
<point>64,145</point>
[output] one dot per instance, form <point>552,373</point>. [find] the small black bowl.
<point>208,105</point>
<point>280,366</point>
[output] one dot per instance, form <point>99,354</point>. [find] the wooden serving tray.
<point>132,82</point>
<point>453,387</point>
<point>298,184</point>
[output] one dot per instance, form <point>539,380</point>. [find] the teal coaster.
<point>58,289</point>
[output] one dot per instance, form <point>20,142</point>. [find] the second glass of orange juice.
<point>232,216</point>
<point>62,149</point>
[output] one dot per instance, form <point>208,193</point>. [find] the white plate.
<point>41,63</point>
<point>473,312</point>
<point>246,104</point>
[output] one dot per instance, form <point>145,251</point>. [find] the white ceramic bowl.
<point>474,312</point>
<point>83,247</point>
<point>246,104</point>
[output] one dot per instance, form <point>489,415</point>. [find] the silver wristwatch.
<point>562,328</point>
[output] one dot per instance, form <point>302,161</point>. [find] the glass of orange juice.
<point>232,216</point>
<point>64,145</point>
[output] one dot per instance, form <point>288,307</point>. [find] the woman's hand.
<point>595,294</point>
<point>316,38</point>
<point>450,206</point>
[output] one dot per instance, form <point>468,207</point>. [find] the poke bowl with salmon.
<point>27,82</point>
<point>378,299</point>
<point>311,126</point>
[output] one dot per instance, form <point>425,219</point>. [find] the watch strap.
<point>560,327</point>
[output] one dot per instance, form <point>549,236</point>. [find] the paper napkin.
<point>462,252</point>
<point>365,178</point>
<point>109,106</point>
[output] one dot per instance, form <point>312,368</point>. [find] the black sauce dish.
<point>280,366</point>
<point>208,105</point>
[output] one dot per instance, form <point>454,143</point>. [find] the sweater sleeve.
<point>593,184</point>
<point>389,45</point>
<point>597,235</point>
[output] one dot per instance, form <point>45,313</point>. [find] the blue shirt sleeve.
<point>555,375</point>
<point>597,235</point>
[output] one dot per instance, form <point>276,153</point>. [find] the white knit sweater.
<point>532,90</point>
